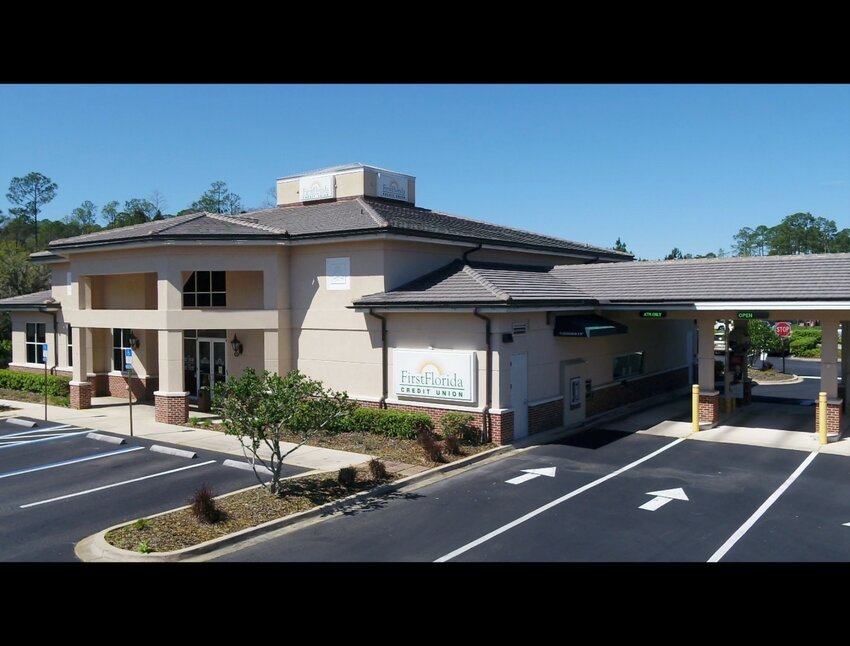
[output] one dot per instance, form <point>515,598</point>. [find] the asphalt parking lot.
<point>58,486</point>
<point>602,495</point>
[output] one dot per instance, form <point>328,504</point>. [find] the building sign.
<point>431,374</point>
<point>338,273</point>
<point>393,187</point>
<point>758,314</point>
<point>316,187</point>
<point>653,314</point>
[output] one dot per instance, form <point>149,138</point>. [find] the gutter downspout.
<point>489,373</point>
<point>469,251</point>
<point>382,402</point>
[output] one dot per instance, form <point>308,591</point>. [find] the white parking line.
<point>557,501</point>
<point>54,465</point>
<point>38,430</point>
<point>20,441</point>
<point>743,529</point>
<point>116,484</point>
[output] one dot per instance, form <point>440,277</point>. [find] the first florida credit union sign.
<point>437,375</point>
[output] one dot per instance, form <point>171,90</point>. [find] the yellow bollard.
<point>822,417</point>
<point>695,408</point>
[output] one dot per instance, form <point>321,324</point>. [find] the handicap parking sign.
<point>128,358</point>
<point>44,353</point>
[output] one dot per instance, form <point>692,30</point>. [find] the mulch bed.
<point>391,449</point>
<point>242,510</point>
<point>769,375</point>
<point>35,398</point>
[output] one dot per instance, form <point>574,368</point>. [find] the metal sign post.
<point>44,361</point>
<point>783,331</point>
<point>128,365</point>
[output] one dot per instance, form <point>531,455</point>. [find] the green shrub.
<point>459,426</point>
<point>391,423</point>
<point>804,343</point>
<point>141,524</point>
<point>347,476</point>
<point>144,547</point>
<point>33,383</point>
<point>815,352</point>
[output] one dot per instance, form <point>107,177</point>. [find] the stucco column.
<point>829,358</point>
<point>276,296</point>
<point>171,400</point>
<point>845,362</point>
<point>271,358</point>
<point>708,397</point>
<point>169,288</point>
<point>80,387</point>
<point>829,377</point>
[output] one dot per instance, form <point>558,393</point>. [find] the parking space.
<point>58,485</point>
<point>602,495</point>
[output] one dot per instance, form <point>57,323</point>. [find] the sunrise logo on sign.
<point>316,188</point>
<point>444,376</point>
<point>392,187</point>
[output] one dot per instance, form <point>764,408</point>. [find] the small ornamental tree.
<point>763,338</point>
<point>260,408</point>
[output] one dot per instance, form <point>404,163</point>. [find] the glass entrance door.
<point>212,368</point>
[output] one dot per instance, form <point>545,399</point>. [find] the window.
<point>70,346</point>
<point>205,289</point>
<point>120,342</point>
<point>35,337</point>
<point>628,365</point>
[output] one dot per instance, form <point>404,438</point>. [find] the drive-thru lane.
<point>54,493</point>
<point>591,510</point>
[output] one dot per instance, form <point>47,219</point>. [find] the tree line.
<point>31,193</point>
<point>799,233</point>
<point>23,229</point>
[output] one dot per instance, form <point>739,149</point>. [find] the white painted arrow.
<point>662,498</point>
<point>845,524</point>
<point>531,474</point>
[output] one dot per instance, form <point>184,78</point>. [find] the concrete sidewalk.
<point>780,426</point>
<point>111,414</point>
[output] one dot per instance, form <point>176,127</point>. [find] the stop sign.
<point>783,329</point>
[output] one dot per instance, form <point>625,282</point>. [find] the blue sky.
<point>657,165</point>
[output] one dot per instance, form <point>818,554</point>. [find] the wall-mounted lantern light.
<point>236,344</point>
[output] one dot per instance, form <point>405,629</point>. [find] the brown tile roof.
<point>342,217</point>
<point>33,301</point>
<point>767,278</point>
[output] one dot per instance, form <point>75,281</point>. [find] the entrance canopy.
<point>587,325</point>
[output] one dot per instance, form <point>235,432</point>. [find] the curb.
<point>795,379</point>
<point>95,548</point>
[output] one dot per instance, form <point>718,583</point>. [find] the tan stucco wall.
<point>664,344</point>
<point>350,183</point>
<point>19,322</point>
<point>252,353</point>
<point>244,290</point>
<point>442,332</point>
<point>126,291</point>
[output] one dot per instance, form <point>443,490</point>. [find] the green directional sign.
<point>653,314</point>
<point>755,314</point>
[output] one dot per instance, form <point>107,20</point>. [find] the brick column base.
<point>709,411</point>
<point>171,408</point>
<point>80,394</point>
<point>502,428</point>
<point>833,417</point>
